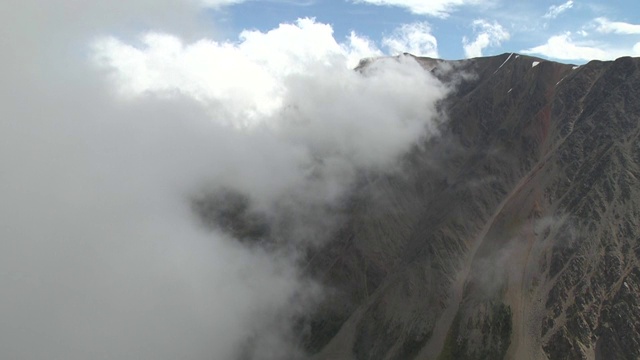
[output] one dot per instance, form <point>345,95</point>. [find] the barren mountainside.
<point>514,234</point>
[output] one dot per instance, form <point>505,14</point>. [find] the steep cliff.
<point>513,235</point>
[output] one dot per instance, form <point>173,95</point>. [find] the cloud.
<point>606,26</point>
<point>220,3</point>
<point>80,19</point>
<point>208,70</point>
<point>102,254</point>
<point>259,73</point>
<point>488,34</point>
<point>415,38</point>
<point>358,48</point>
<point>436,8</point>
<point>555,10</point>
<point>563,47</point>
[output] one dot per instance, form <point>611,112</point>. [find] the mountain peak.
<point>513,235</point>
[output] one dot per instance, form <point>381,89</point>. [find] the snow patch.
<point>535,63</point>
<point>560,80</point>
<point>510,55</point>
<point>509,90</point>
<point>575,67</point>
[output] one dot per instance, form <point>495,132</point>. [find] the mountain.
<point>514,234</point>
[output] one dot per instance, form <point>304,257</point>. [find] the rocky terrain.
<point>514,234</point>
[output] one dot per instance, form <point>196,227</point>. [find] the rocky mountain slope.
<point>513,235</point>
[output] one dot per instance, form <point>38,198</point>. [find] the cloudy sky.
<point>571,31</point>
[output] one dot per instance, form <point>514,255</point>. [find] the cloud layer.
<point>102,254</point>
<point>616,27</point>
<point>565,47</point>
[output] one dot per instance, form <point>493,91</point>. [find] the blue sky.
<point>571,31</point>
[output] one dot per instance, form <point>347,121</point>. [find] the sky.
<point>117,116</point>
<point>571,31</point>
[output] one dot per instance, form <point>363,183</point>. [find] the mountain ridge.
<point>476,253</point>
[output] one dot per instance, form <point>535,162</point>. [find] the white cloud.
<point>555,10</point>
<point>606,26</point>
<point>563,47</point>
<point>219,3</point>
<point>246,78</point>
<point>437,8</point>
<point>101,254</point>
<point>250,82</point>
<point>415,38</point>
<point>358,48</point>
<point>488,34</point>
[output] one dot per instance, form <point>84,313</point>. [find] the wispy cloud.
<point>564,47</point>
<point>487,34</point>
<point>436,8</point>
<point>413,38</point>
<point>555,10</point>
<point>606,26</point>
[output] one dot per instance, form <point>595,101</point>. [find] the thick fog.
<point>115,116</point>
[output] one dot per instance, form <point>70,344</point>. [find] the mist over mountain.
<point>112,151</point>
<point>511,235</point>
<point>168,194</point>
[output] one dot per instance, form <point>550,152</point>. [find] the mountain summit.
<point>514,234</point>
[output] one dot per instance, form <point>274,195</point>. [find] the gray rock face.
<point>514,235</point>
